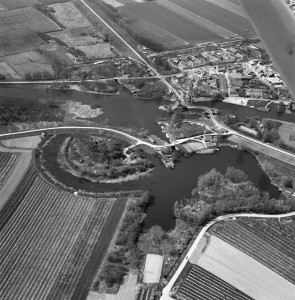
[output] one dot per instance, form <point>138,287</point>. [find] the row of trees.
<point>127,254</point>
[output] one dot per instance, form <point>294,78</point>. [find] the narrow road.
<point>168,287</point>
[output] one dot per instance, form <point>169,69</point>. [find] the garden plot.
<point>29,64</point>
<point>72,39</point>
<point>98,51</point>
<point>64,12</point>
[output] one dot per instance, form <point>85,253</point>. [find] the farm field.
<point>27,64</point>
<point>200,284</point>
<point>244,272</point>
<point>261,249</point>
<point>25,20</point>
<point>75,38</point>
<point>217,14</point>
<point>64,12</point>
<point>8,72</point>
<point>30,142</point>
<point>230,6</point>
<point>48,240</point>
<point>17,42</point>
<point>12,172</point>
<point>168,20</point>
<point>12,4</point>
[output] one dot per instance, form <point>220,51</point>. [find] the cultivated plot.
<point>218,15</point>
<point>64,12</point>
<point>30,64</point>
<point>168,20</point>
<point>17,42</point>
<point>24,20</point>
<point>12,4</point>
<point>8,72</point>
<point>98,51</point>
<point>48,240</point>
<point>244,272</point>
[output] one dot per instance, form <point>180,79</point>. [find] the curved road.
<point>168,287</point>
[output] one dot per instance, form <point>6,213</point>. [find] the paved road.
<point>168,287</point>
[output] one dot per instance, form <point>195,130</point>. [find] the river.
<point>164,185</point>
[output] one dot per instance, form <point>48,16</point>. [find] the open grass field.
<point>27,64</point>
<point>48,240</point>
<point>168,20</point>
<point>64,12</point>
<point>244,272</point>
<point>29,142</point>
<point>287,134</point>
<point>230,6</point>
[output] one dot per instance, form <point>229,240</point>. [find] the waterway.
<point>164,185</point>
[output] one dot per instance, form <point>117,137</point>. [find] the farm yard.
<point>200,284</point>
<point>48,239</point>
<point>243,271</point>
<point>64,12</point>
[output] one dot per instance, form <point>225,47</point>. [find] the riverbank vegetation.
<point>217,194</point>
<point>13,111</point>
<point>101,159</point>
<point>124,255</point>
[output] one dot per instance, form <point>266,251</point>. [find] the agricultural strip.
<point>15,176</point>
<point>244,272</point>
<point>12,4</point>
<point>30,142</point>
<point>25,20</point>
<point>97,51</point>
<point>167,20</point>
<point>9,71</point>
<point>64,12</point>
<point>261,148</point>
<point>47,242</point>
<point>201,284</point>
<point>256,247</point>
<point>218,15</point>
<point>233,8</point>
<point>100,250</point>
<point>17,42</point>
<point>198,20</point>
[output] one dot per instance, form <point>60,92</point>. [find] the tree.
<point>235,175</point>
<point>157,233</point>
<point>281,107</point>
